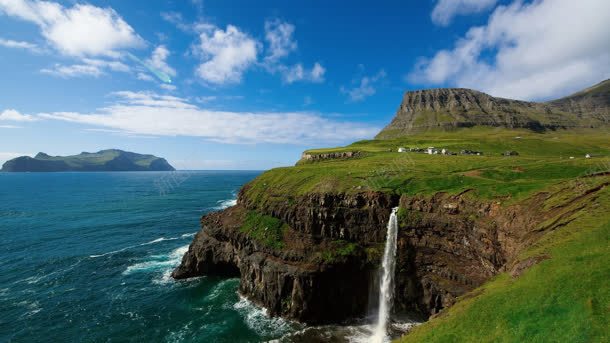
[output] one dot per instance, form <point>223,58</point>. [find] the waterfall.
<point>386,287</point>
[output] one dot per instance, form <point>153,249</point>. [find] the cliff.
<point>105,160</point>
<point>450,108</point>
<point>324,268</point>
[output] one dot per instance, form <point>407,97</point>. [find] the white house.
<point>587,156</point>
<point>402,150</point>
<point>431,151</point>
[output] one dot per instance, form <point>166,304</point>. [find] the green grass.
<point>339,249</point>
<point>562,299</point>
<point>543,161</point>
<point>265,229</point>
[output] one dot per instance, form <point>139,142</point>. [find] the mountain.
<point>450,108</point>
<point>104,160</point>
<point>491,246</point>
<point>593,102</point>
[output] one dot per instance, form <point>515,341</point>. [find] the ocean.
<point>86,257</point>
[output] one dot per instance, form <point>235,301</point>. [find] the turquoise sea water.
<point>86,257</point>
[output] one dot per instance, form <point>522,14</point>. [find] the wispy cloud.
<point>145,113</point>
<point>280,44</point>
<point>14,115</point>
<point>87,67</point>
<point>8,43</point>
<point>298,73</point>
<point>365,87</point>
<point>445,10</point>
<point>279,37</point>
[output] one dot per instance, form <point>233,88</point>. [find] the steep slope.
<point>105,160</point>
<point>591,103</point>
<point>562,297</point>
<point>450,108</point>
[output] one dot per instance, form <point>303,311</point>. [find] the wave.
<point>154,241</point>
<point>113,252</point>
<point>222,204</point>
<point>257,319</point>
<point>157,262</point>
<point>356,333</point>
<point>225,287</point>
<point>161,239</point>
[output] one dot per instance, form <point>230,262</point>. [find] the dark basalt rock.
<point>447,246</point>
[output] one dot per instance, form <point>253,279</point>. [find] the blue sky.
<point>253,84</point>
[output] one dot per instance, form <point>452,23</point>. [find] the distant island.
<point>104,160</point>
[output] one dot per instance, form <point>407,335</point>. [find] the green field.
<point>544,159</point>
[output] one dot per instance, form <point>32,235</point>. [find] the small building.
<point>431,151</point>
<point>587,156</point>
<point>471,152</point>
<point>571,157</point>
<point>402,150</point>
<point>510,153</point>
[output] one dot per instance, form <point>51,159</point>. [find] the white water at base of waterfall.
<point>386,286</point>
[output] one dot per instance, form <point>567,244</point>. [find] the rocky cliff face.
<point>448,108</point>
<point>304,280</point>
<point>326,270</point>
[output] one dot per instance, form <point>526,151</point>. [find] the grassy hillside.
<point>544,159</point>
<point>564,298</point>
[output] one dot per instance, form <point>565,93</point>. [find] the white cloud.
<point>538,50</point>
<point>145,113</point>
<point>144,77</point>
<point>8,43</point>
<point>81,30</point>
<point>298,73</point>
<point>206,99</point>
<point>446,10</point>
<point>158,60</point>
<point>168,87</point>
<point>227,54</point>
<point>279,37</point>
<point>13,115</point>
<point>88,67</point>
<point>365,87</point>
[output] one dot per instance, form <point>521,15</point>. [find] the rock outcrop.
<point>450,108</point>
<point>329,156</point>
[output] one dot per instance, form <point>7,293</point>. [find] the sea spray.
<point>386,289</point>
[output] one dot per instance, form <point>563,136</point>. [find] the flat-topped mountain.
<point>104,160</point>
<point>449,108</point>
